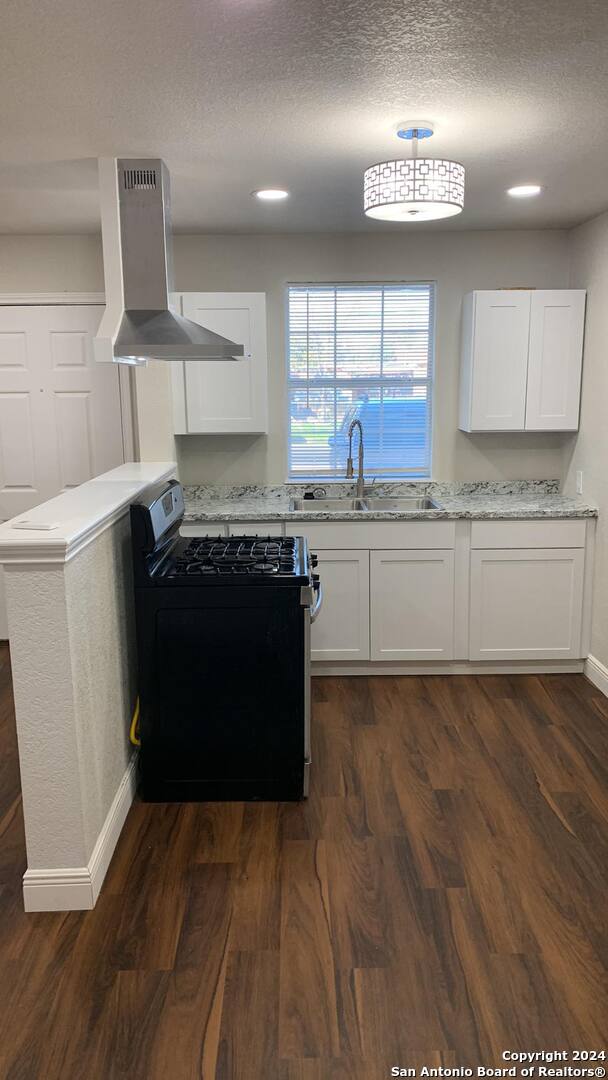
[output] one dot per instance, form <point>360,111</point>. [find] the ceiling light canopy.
<point>271,194</point>
<point>524,191</point>
<point>413,189</point>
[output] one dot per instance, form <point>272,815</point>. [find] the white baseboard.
<point>597,673</point>
<point>452,667</point>
<point>76,888</point>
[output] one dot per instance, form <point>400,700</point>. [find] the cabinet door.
<point>341,631</point>
<point>224,396</point>
<point>557,319</point>
<point>526,604</point>
<point>499,357</point>
<point>412,605</point>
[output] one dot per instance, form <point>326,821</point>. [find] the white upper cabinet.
<point>221,396</point>
<point>521,360</point>
<point>494,361</point>
<point>557,319</point>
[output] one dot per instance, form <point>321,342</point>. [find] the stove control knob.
<point>315,579</point>
<point>314,561</point>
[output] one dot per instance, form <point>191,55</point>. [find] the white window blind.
<point>366,352</point>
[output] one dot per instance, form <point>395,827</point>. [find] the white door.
<point>341,631</point>
<point>555,359</point>
<point>500,360</point>
<point>60,415</point>
<point>412,605</point>
<point>526,604</point>
<point>223,396</point>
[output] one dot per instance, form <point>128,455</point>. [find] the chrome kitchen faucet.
<point>349,462</point>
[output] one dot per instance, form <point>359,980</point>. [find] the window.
<point>366,352</point>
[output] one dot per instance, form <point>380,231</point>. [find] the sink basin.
<point>405,502</point>
<point>335,504</point>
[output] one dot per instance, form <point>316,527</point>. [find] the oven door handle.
<point>314,611</point>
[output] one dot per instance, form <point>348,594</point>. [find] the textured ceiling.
<point>241,94</point>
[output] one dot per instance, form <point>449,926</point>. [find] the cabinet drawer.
<point>528,534</point>
<point>422,535</point>
<point>255,528</point>
<point>203,528</point>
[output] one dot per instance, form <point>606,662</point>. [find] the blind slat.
<point>361,351</point>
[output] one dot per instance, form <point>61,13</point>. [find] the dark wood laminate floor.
<point>441,896</point>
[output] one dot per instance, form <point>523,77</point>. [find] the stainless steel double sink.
<point>367,504</point>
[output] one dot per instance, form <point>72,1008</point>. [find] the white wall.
<point>457,261</point>
<point>589,451</point>
<point>50,264</point>
<point>73,660</point>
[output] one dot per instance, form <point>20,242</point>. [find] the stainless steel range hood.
<point>139,323</point>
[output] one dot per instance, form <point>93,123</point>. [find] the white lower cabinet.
<point>342,630</point>
<point>398,591</point>
<point>412,605</point>
<point>526,604</point>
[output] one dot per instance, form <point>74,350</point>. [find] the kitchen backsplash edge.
<point>228,492</point>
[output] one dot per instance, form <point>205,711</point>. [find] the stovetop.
<point>277,559</point>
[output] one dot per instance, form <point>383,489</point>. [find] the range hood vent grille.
<point>139,179</point>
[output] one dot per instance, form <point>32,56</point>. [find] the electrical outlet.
<point>579,481</point>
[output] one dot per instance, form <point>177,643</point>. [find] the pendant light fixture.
<point>413,189</point>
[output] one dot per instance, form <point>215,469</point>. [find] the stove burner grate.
<point>247,556</point>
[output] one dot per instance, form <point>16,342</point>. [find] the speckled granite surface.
<point>518,499</point>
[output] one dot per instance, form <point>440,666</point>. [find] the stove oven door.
<point>223,707</point>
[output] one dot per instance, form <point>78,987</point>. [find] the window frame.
<point>394,477</point>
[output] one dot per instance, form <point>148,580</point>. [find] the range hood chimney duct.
<point>139,323</point>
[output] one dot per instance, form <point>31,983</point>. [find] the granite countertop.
<point>482,500</point>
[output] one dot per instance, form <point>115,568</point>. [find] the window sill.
<point>323,481</point>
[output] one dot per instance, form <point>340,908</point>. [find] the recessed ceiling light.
<point>271,194</point>
<point>524,191</point>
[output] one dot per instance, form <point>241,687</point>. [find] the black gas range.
<point>223,635</point>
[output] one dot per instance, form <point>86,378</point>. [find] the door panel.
<point>13,350</point>
<point>412,605</point>
<point>555,360</point>
<point>60,412</point>
<point>341,631</point>
<point>526,604</point>
<point>17,471</point>
<point>75,437</point>
<point>221,395</point>
<point>500,360</point>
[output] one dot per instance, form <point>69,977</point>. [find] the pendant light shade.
<point>413,189</point>
<point>417,189</point>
